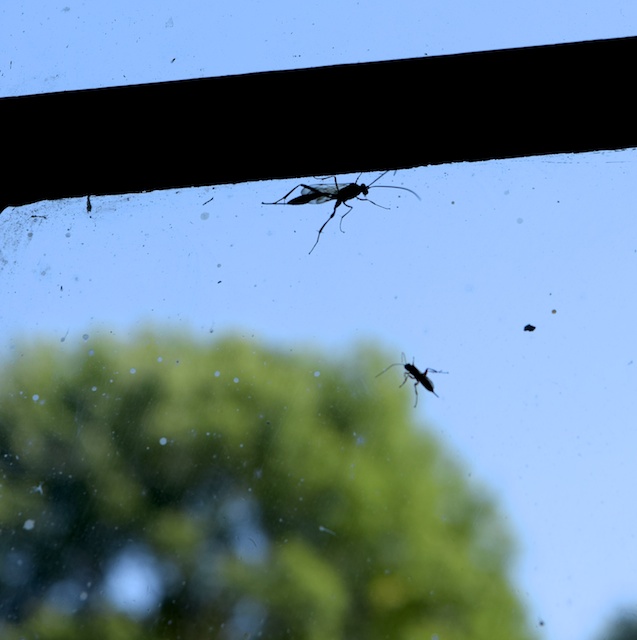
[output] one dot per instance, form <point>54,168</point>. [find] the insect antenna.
<point>384,173</point>
<point>388,186</point>
<point>396,364</point>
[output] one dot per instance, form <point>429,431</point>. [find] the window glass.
<point>516,277</point>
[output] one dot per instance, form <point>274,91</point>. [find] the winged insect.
<point>413,373</point>
<point>337,193</point>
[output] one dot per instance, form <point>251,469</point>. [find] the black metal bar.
<point>497,104</point>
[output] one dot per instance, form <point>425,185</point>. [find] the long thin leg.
<point>380,206</point>
<point>340,224</point>
<point>286,195</point>
<point>396,364</point>
<point>323,227</point>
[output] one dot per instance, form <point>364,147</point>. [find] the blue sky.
<point>545,421</point>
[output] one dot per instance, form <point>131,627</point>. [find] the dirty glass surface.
<point>516,277</point>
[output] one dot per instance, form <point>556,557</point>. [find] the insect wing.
<point>316,194</point>
<point>310,198</point>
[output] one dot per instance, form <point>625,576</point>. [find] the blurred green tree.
<point>166,489</point>
<point>623,627</point>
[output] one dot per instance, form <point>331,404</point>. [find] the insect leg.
<point>396,364</point>
<point>340,224</point>
<point>416,390</point>
<point>374,203</point>
<point>323,227</point>
<point>280,200</point>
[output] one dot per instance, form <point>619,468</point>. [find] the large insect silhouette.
<point>413,373</point>
<point>337,193</point>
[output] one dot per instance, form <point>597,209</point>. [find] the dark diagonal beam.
<point>404,113</point>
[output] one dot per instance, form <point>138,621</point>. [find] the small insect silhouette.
<point>338,193</point>
<point>413,373</point>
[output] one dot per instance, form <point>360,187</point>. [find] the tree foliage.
<point>166,489</point>
<point>623,627</point>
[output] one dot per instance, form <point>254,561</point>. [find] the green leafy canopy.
<point>257,492</point>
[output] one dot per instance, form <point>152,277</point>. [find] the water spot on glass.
<point>520,220</point>
<point>163,441</point>
<point>29,524</point>
<point>133,370</point>
<point>35,397</point>
<point>323,529</point>
<point>85,337</point>
<point>91,352</point>
<point>235,380</point>
<point>93,388</point>
<point>317,374</point>
<point>160,359</point>
<point>217,374</point>
<point>205,215</point>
